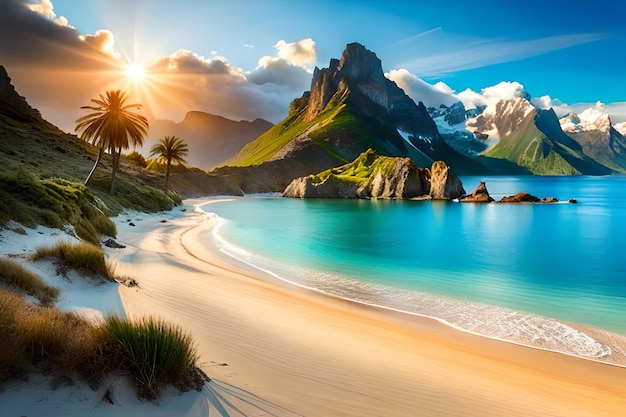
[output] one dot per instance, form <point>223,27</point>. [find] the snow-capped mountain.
<point>598,138</point>
<point>500,120</point>
<point>451,122</point>
<point>621,128</point>
<point>590,119</point>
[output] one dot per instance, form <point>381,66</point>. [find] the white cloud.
<point>101,41</point>
<point>489,96</point>
<point>420,90</point>
<point>46,8</point>
<point>301,53</point>
<point>616,111</point>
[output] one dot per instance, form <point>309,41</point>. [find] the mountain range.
<point>211,139</point>
<point>352,107</point>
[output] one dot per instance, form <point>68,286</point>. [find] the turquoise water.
<point>490,268</point>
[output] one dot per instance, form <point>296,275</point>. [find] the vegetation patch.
<point>15,275</point>
<point>361,170</point>
<point>52,202</point>
<point>83,257</point>
<point>152,353</point>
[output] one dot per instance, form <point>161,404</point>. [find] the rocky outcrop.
<point>372,176</point>
<point>527,198</point>
<point>12,104</point>
<point>479,195</point>
<point>444,184</point>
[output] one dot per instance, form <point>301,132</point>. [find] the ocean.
<point>547,275</point>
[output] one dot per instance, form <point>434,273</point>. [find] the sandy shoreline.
<point>293,352</point>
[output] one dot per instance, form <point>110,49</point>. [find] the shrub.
<point>82,256</point>
<point>12,273</point>
<point>152,352</point>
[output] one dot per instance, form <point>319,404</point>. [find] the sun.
<point>135,72</point>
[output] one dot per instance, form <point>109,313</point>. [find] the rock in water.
<point>479,195</point>
<point>444,184</point>
<point>520,198</point>
<point>379,177</point>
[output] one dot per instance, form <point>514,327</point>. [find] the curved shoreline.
<point>310,354</point>
<point>616,360</point>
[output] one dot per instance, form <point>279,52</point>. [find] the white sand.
<point>274,350</point>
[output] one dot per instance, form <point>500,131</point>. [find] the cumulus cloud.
<point>102,41</point>
<point>187,62</point>
<point>420,90</point>
<point>617,110</point>
<point>489,96</point>
<point>46,8</point>
<point>59,69</point>
<point>300,53</point>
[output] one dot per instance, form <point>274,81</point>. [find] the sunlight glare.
<point>135,72</point>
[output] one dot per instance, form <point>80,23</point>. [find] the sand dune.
<point>276,350</point>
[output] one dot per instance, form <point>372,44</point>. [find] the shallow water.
<point>516,272</point>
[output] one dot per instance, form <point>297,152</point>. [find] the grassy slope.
<point>337,123</point>
<point>41,175</point>
<point>530,148</point>
<point>360,170</point>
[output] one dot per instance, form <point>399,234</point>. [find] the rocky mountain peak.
<point>501,120</point>
<point>361,65</point>
<point>589,119</point>
<point>12,104</point>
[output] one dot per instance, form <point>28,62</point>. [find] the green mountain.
<point>533,139</point>
<point>350,108</point>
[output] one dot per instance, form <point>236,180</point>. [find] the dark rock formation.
<point>527,198</point>
<point>479,195</point>
<point>520,198</point>
<point>12,104</point>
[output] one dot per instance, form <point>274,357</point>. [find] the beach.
<point>280,350</point>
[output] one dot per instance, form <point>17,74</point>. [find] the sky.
<point>249,59</point>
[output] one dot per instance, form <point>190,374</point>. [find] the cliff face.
<point>13,105</point>
<point>372,176</point>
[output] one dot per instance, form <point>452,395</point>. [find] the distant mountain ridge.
<point>598,137</point>
<point>211,139</point>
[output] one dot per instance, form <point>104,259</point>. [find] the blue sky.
<point>571,53</point>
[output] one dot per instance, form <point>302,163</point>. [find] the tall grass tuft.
<point>82,256</point>
<point>14,274</point>
<point>153,353</point>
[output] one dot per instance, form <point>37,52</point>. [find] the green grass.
<point>361,170</point>
<point>14,274</point>
<point>151,352</point>
<point>53,202</point>
<point>83,257</point>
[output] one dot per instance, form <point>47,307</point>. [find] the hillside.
<point>211,139</point>
<point>533,139</point>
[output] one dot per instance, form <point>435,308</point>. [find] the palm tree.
<point>169,148</point>
<point>112,126</point>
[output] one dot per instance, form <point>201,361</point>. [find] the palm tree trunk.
<point>167,174</point>
<point>93,170</point>
<point>116,161</point>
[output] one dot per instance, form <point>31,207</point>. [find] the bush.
<point>152,352</point>
<point>82,256</point>
<point>12,273</point>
